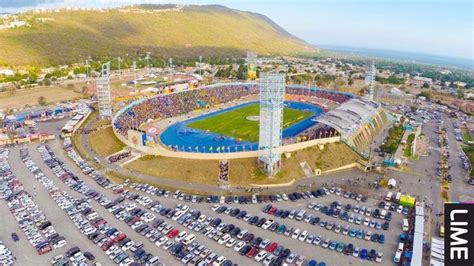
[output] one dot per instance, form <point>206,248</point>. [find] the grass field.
<point>235,123</point>
<point>104,142</point>
<point>29,97</point>
<point>244,172</point>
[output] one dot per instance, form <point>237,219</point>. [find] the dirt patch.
<point>104,142</point>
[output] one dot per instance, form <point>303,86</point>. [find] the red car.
<point>134,220</point>
<point>173,233</point>
<point>107,245</point>
<point>252,252</point>
<point>272,211</point>
<point>119,238</point>
<point>271,247</point>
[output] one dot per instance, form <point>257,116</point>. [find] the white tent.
<point>392,182</point>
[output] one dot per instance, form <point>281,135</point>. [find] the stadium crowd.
<point>166,106</point>
<point>330,95</point>
<point>318,131</point>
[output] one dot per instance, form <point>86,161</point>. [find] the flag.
<point>218,149</point>
<point>211,148</point>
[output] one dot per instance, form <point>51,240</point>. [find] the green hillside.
<point>70,36</point>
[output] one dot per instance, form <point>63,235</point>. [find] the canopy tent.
<point>407,201</point>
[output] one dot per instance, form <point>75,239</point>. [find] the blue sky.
<point>432,27</point>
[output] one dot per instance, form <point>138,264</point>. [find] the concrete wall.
<point>161,151</point>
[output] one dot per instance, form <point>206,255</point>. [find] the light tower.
<point>272,94</point>
<point>370,80</point>
<point>251,61</point>
<point>104,96</point>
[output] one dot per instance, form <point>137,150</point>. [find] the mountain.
<point>68,36</point>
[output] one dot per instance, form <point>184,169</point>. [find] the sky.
<point>441,27</point>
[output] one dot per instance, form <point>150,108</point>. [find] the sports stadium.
<point>221,121</point>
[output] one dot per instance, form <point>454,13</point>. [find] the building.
<point>465,106</point>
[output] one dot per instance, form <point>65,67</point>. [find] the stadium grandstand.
<point>357,121</point>
<point>174,104</point>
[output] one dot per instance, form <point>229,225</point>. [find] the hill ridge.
<point>209,30</point>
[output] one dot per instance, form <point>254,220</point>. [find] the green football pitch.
<point>235,123</point>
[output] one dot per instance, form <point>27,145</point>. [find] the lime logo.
<point>459,234</point>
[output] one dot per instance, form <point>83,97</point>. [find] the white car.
<point>239,246</point>
<point>260,256</point>
<point>182,235</point>
<point>231,243</point>
<point>128,245</point>
<point>60,244</point>
<point>379,257</point>
<point>303,236</point>
<point>366,221</point>
<point>267,224</point>
<point>355,253</point>
<point>215,207</point>
<point>160,241</point>
<point>317,240</point>
<point>400,209</point>
<point>296,234</point>
<point>224,239</point>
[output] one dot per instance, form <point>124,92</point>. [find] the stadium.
<point>220,121</point>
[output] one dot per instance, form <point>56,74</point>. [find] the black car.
<point>348,249</point>
<point>267,208</point>
<point>256,241</point>
<point>234,231</point>
<point>253,220</point>
<point>285,253</point>
<point>15,237</point>
<point>385,226</point>
<point>260,222</point>
<point>241,215</point>
<point>244,249</point>
<point>72,251</point>
<point>372,255</point>
<point>89,256</point>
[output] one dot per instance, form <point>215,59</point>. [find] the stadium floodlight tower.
<point>104,96</point>
<point>370,80</point>
<point>272,95</point>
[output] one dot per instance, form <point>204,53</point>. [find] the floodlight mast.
<point>272,95</point>
<point>104,96</point>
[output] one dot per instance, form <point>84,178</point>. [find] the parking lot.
<point>212,234</point>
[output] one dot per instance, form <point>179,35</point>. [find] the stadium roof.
<point>348,117</point>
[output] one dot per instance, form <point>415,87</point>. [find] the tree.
<point>461,93</point>
<point>426,85</point>
<point>42,100</point>
<point>350,81</point>
<point>241,72</point>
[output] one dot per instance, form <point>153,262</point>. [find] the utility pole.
<point>87,70</point>
<point>171,68</point>
<point>147,58</point>
<point>119,60</point>
<point>134,66</point>
<point>200,62</point>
